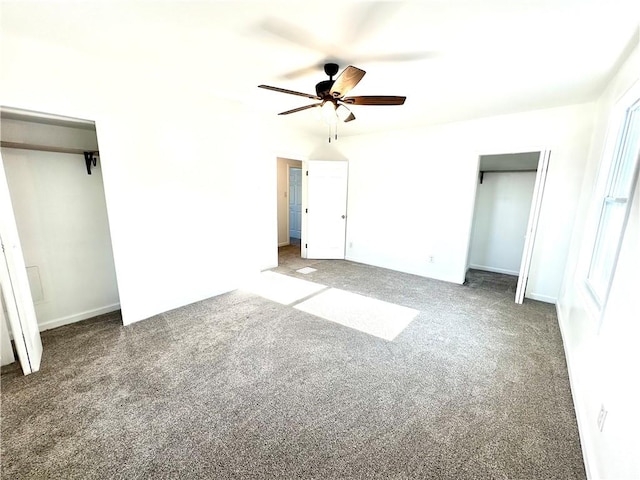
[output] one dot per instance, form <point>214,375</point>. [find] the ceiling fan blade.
<point>398,57</point>
<point>348,79</point>
<point>385,57</point>
<point>301,72</point>
<point>294,34</point>
<point>374,100</point>
<point>299,109</point>
<point>290,92</point>
<point>367,18</point>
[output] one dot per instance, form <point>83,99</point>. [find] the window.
<point>615,203</point>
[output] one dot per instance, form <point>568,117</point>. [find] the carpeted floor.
<point>238,386</point>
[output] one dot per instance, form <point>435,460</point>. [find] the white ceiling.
<point>481,57</point>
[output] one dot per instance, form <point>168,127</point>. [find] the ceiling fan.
<point>331,95</point>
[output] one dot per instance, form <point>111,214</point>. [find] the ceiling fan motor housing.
<point>323,88</point>
<point>331,69</point>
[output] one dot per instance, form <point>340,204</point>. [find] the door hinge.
<point>306,246</point>
<point>306,210</point>
<point>307,173</point>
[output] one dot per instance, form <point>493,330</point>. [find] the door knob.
<point>343,216</point>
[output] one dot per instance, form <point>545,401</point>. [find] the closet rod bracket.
<point>90,158</point>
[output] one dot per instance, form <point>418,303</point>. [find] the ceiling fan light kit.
<point>331,94</point>
<point>328,109</point>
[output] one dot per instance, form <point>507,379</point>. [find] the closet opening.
<point>58,249</point>
<point>507,205</point>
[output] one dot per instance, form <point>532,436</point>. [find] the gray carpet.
<point>241,387</point>
<point>492,281</point>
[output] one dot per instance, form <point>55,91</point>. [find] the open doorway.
<point>60,269</point>
<point>312,208</point>
<point>289,205</point>
<point>508,197</point>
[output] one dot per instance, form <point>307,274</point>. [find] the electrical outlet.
<point>602,416</point>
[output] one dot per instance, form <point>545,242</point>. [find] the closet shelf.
<point>482,172</point>
<point>89,155</point>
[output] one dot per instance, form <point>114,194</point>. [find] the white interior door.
<point>325,209</point>
<point>295,202</point>
<point>532,226</point>
<point>6,352</point>
<point>15,286</point>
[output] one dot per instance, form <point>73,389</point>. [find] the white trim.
<point>580,416</point>
<point>77,317</point>
<point>512,151</point>
<point>604,182</point>
<point>532,227</point>
<point>471,221</point>
<point>494,269</point>
<point>288,241</point>
<point>303,222</point>
<point>541,298</point>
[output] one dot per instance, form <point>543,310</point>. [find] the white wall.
<point>62,222</point>
<point>191,202</point>
<point>603,356</point>
<point>411,193</point>
<point>503,202</point>
<point>283,200</point>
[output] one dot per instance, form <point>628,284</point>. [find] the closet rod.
<point>89,155</point>
<point>482,172</point>
<point>509,171</point>
<point>45,148</point>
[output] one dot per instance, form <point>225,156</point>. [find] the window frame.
<point>608,197</point>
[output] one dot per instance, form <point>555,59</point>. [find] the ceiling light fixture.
<point>328,110</point>
<point>342,113</point>
<point>332,94</point>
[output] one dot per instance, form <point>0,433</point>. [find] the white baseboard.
<point>541,298</point>
<point>494,269</point>
<point>58,322</point>
<point>580,420</point>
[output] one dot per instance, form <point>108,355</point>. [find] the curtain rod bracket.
<point>89,158</point>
